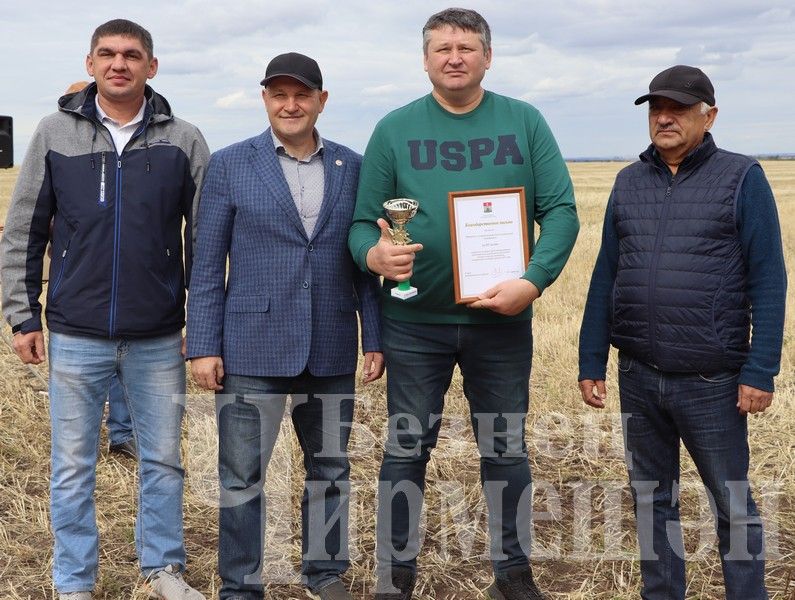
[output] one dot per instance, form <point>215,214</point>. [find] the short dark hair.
<point>127,29</point>
<point>458,18</point>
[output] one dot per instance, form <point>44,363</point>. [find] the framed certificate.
<point>488,232</point>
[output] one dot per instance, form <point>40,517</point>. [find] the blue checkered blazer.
<point>289,301</point>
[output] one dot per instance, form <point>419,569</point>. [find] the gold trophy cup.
<point>400,211</point>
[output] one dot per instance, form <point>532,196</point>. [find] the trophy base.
<point>404,294</point>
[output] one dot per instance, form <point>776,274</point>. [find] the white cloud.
<point>380,90</point>
<point>239,99</point>
<point>581,62</point>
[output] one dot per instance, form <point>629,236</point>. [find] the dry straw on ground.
<point>584,544</point>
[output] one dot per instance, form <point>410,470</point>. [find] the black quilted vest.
<point>679,299</point>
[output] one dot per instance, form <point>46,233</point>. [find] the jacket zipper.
<point>102,181</point>
<point>655,258</point>
<point>117,229</point>
<point>60,271</point>
<point>169,279</point>
<point>116,251</point>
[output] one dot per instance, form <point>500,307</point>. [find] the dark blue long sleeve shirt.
<point>766,277</point>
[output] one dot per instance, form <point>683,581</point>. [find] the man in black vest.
<point>691,257</point>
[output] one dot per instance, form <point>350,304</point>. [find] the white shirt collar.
<point>135,120</point>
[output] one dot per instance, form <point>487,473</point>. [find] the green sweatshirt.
<point>422,151</point>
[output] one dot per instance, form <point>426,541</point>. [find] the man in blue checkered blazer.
<point>276,208</point>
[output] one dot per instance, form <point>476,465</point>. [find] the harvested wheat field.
<point>584,543</point>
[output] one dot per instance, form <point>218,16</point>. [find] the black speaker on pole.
<point>6,142</point>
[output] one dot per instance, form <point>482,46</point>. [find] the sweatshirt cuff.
<point>361,257</point>
<point>594,373</point>
<point>538,276</point>
<point>755,379</point>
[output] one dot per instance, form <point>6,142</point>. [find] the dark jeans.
<point>700,410</point>
<point>495,365</point>
<point>249,412</point>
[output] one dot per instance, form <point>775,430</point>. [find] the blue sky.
<point>582,63</point>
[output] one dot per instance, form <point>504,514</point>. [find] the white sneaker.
<point>74,596</point>
<point>169,585</point>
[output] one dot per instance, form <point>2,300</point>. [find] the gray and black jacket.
<point>117,263</point>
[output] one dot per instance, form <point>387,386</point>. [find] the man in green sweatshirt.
<point>458,137</point>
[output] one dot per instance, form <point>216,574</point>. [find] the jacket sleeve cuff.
<point>32,324</point>
<point>198,350</point>
<point>371,337</point>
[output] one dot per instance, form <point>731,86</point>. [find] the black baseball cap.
<point>686,85</point>
<point>297,66</point>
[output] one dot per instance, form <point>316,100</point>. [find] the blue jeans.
<point>152,373</point>
<point>495,365</point>
<point>118,421</point>
<point>249,412</point>
<point>660,409</point>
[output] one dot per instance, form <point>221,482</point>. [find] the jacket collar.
<point>696,156</point>
<point>157,107</point>
<point>266,164</point>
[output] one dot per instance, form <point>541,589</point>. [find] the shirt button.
<point>305,284</point>
<point>311,248</point>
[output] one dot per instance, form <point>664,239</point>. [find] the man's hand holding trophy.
<point>393,255</point>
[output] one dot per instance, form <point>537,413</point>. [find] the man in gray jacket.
<point>117,175</point>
